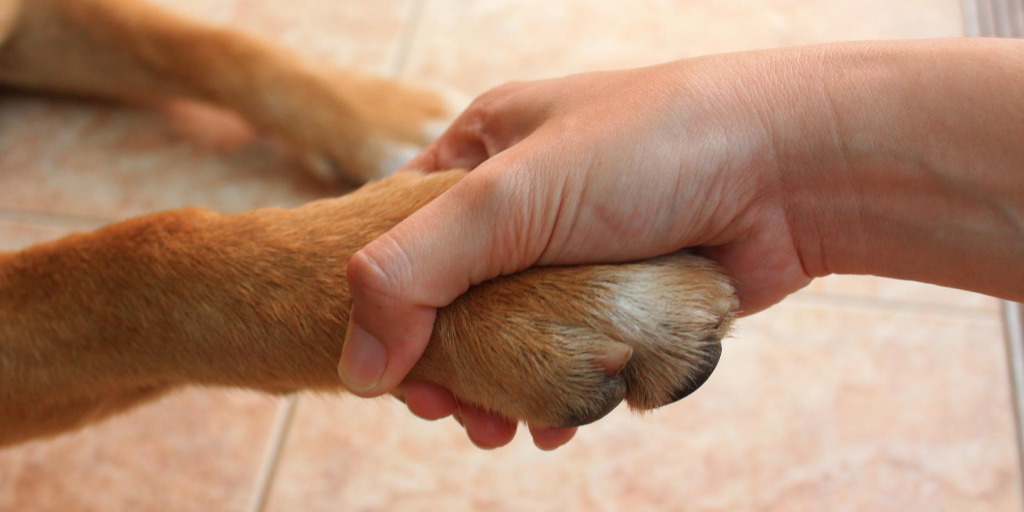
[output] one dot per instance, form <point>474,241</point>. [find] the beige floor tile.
<point>16,234</point>
<point>194,450</point>
<point>892,290</point>
<point>109,161</point>
<point>360,34</point>
<point>812,408</point>
<point>477,44</point>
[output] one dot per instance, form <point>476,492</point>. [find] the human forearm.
<point>917,167</point>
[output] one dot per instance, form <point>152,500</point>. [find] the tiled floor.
<point>813,408</point>
<point>856,394</point>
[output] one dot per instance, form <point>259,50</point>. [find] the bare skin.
<point>898,159</point>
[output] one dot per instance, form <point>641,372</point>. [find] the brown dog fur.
<point>94,323</point>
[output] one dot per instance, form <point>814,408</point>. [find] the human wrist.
<point>909,161</point>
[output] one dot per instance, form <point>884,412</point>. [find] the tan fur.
<point>125,49</point>
<point>94,323</point>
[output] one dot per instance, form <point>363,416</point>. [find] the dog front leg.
<point>93,323</point>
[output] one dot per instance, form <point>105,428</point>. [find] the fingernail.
<point>362,360</point>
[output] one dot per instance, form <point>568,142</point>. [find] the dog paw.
<point>381,125</point>
<point>564,346</point>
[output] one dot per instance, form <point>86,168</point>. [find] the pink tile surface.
<point>812,408</point>
<point>195,450</point>
<point>16,234</point>
<point>872,288</point>
<point>475,45</point>
<point>357,34</point>
<point>109,161</point>
<point>360,34</point>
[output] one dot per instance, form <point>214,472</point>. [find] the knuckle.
<point>492,118</point>
<point>378,268</point>
<point>477,117</point>
<point>490,105</point>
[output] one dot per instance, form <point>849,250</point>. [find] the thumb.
<point>425,262</point>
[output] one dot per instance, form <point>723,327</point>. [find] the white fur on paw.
<point>393,155</point>
<point>322,167</point>
<point>380,159</point>
<point>455,102</point>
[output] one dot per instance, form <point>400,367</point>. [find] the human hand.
<point>595,168</point>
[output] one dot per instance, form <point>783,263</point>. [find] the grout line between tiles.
<point>986,23</point>
<point>993,18</point>
<point>1005,18</point>
<point>269,464</point>
<point>1015,15</point>
<point>1000,23</point>
<point>1013,323</point>
<point>981,17</point>
<point>283,421</point>
<point>37,217</point>
<point>1011,18</point>
<point>972,18</point>
<point>406,38</point>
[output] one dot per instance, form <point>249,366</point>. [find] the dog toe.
<point>604,402</point>
<point>705,366</point>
